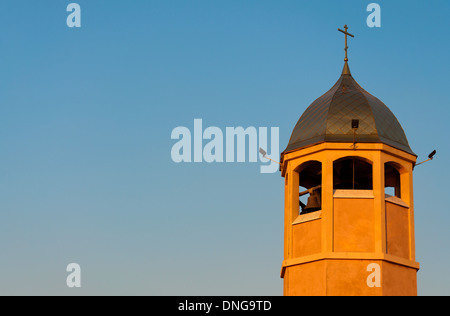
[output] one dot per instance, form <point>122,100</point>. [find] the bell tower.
<point>349,209</point>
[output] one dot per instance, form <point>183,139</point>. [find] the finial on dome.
<point>346,70</point>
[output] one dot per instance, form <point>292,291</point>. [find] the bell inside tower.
<point>310,180</point>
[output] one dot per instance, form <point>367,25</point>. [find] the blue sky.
<point>86,174</point>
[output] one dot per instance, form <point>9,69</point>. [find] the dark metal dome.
<point>328,119</point>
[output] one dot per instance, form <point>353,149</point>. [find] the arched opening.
<point>352,173</point>
<point>392,179</point>
<point>310,186</point>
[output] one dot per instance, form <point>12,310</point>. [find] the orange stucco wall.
<point>397,230</point>
<point>398,280</point>
<point>354,225</point>
<point>306,280</point>
<point>349,278</point>
<point>335,277</point>
<point>307,238</point>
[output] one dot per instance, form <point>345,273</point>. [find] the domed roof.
<point>328,119</point>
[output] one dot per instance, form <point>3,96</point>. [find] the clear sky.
<point>86,174</point>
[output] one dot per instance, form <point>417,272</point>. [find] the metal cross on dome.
<point>346,33</point>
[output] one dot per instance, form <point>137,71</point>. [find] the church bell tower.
<point>349,209</point>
